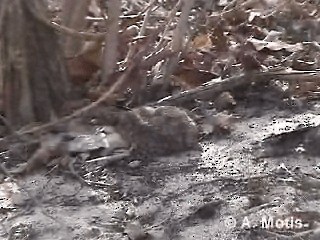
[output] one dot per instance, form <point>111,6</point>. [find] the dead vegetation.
<point>159,119</point>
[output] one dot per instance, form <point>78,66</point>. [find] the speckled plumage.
<point>156,131</point>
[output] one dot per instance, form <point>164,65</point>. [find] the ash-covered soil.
<point>235,188</point>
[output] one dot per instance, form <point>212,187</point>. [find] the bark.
<point>110,53</point>
<point>33,71</point>
<point>73,15</point>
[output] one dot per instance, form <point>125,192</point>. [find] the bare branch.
<point>217,86</point>
<point>154,58</point>
<point>181,29</point>
<point>146,18</point>
<point>178,38</point>
<point>69,31</point>
<point>170,20</point>
<point>110,54</point>
<point>133,47</point>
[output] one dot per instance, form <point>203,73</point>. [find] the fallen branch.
<point>216,86</point>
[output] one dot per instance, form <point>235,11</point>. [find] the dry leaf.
<point>250,62</point>
<point>82,67</point>
<point>189,78</point>
<point>275,46</point>
<point>81,70</point>
<point>202,42</point>
<point>218,38</point>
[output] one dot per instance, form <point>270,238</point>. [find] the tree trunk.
<point>33,72</point>
<point>73,15</point>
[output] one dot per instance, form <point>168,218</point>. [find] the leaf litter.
<point>238,143</point>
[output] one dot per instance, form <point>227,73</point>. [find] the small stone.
<point>135,231</point>
<point>225,101</point>
<point>134,164</point>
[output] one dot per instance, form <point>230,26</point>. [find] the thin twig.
<point>181,29</point>
<point>154,58</point>
<point>146,18</point>
<point>74,33</point>
<point>178,40</point>
<point>133,46</point>
<point>69,31</point>
<point>170,18</point>
<point>110,159</point>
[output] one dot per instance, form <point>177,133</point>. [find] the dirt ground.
<point>235,188</point>
<point>255,183</point>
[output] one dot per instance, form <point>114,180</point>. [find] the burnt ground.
<point>261,181</point>
<point>238,187</point>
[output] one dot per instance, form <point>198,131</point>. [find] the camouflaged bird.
<point>156,131</point>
